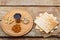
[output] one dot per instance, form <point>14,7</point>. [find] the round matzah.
<point>25,28</point>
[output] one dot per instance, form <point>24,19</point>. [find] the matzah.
<point>47,22</point>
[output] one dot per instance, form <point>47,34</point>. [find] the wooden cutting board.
<point>25,28</point>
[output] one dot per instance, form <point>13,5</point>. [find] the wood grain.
<point>30,2</point>
<point>34,11</point>
<point>23,2</point>
<point>29,38</point>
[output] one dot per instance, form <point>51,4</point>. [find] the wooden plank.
<point>34,11</point>
<point>30,2</point>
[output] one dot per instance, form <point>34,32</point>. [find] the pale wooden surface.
<point>34,11</point>
<point>48,2</point>
<point>29,2</point>
<point>29,38</point>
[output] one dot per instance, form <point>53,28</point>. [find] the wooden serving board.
<point>25,28</point>
<point>34,11</point>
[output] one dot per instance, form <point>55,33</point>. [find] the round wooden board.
<point>25,28</point>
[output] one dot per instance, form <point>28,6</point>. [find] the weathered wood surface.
<point>29,39</point>
<point>41,39</point>
<point>34,11</point>
<point>29,2</point>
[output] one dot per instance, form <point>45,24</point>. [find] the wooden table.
<point>30,2</point>
<point>38,2</point>
<point>29,38</point>
<point>36,11</point>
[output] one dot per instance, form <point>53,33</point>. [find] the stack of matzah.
<point>46,22</point>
